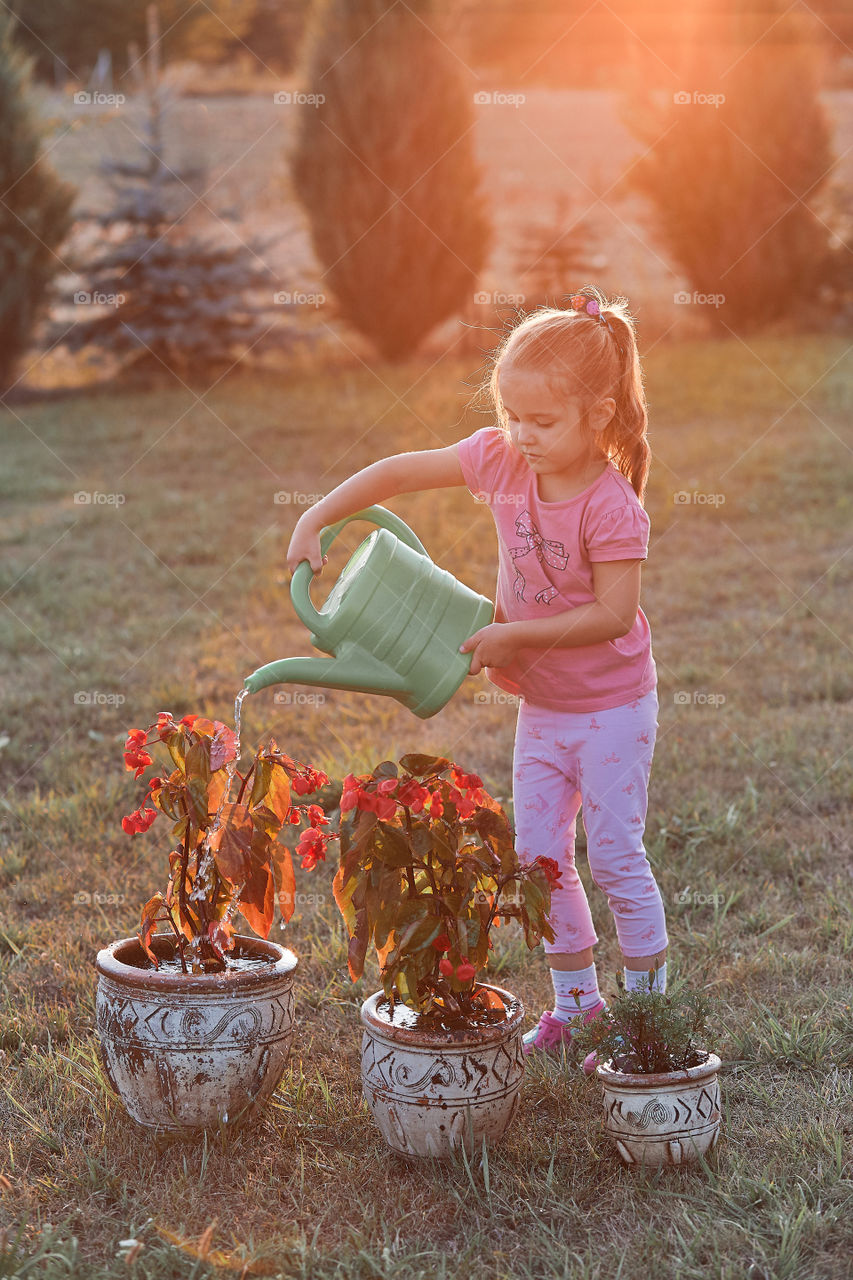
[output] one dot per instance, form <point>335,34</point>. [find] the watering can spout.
<point>351,668</point>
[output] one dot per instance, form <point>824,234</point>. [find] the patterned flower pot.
<point>187,1051</point>
<point>669,1118</point>
<point>431,1090</point>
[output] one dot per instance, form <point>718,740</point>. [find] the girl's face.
<point>546,431</point>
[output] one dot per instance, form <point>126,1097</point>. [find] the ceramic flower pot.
<point>430,1090</point>
<point>188,1051</point>
<point>669,1118</point>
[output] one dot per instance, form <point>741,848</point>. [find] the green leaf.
<point>387,769</point>
<point>424,766</point>
<point>391,847</point>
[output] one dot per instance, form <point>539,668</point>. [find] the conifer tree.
<point>35,208</point>
<point>384,166</point>
<point>732,183</point>
<point>158,295</point>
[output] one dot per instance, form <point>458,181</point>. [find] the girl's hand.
<point>305,544</point>
<point>494,646</point>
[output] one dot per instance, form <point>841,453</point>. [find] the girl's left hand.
<point>493,646</point>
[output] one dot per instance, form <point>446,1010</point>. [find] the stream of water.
<point>206,860</point>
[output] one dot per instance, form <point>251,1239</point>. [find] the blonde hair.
<point>584,360</point>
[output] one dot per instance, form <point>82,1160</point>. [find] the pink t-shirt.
<point>545,555</point>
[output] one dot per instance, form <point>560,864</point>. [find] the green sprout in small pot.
<point>646,1032</point>
<point>428,868</point>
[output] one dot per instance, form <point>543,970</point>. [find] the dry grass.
<point>170,599</point>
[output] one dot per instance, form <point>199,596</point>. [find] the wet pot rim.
<point>112,962</point>
<point>608,1075</point>
<point>379,1025</point>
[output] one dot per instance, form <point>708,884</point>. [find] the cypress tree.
<point>35,208</point>
<point>732,183</point>
<point>384,166</point>
<point>157,295</point>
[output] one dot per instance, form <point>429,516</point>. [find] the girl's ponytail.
<point>624,437</point>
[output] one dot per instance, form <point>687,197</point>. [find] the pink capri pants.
<point>600,760</point>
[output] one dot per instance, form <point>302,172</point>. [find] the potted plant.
<point>427,869</point>
<point>661,1094</point>
<point>195,1021</point>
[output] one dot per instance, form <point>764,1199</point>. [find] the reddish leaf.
<point>148,923</point>
<point>257,901</point>
<point>358,945</point>
<point>285,879</point>
<point>278,794</point>
<point>223,748</point>
<point>202,726</point>
<point>232,843</point>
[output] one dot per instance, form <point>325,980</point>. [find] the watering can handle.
<point>300,583</point>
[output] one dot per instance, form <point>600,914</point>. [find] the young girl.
<point>563,474</point>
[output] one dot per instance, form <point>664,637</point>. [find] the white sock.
<point>635,978</point>
<point>586,983</point>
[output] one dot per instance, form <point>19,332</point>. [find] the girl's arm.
<point>401,473</point>
<point>612,614</point>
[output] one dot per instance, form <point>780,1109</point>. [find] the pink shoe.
<point>550,1035</point>
<point>590,1062</point>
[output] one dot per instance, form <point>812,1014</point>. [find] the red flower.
<point>349,800</point>
<point>189,721</point>
<point>434,805</point>
<point>135,738</point>
<point>316,816</point>
<point>386,786</point>
<point>138,760</point>
<point>446,967</point>
<point>138,821</point>
<point>464,805</point>
<point>311,848</point>
<point>413,795</point>
<point>303,785</point>
<point>366,801</point>
<point>467,781</point>
<point>386,807</point>
<point>165,724</point>
<point>465,971</point>
<point>551,868</point>
<point>442,942</point>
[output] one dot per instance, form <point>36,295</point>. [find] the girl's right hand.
<point>305,545</point>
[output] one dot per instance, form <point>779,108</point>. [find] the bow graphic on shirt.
<point>547,552</point>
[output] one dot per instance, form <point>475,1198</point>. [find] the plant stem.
<point>181,941</point>
<point>245,780</point>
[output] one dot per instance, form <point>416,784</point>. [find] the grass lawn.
<point>170,586</point>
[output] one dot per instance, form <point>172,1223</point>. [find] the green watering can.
<point>393,622</point>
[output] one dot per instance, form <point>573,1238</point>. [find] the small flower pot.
<point>670,1118</point>
<point>429,1090</point>
<point>189,1051</point>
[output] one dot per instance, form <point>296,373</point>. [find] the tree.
<point>70,33</point>
<point>732,185</point>
<point>552,253</point>
<point>161,295</point>
<point>35,207</point>
<point>385,169</point>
